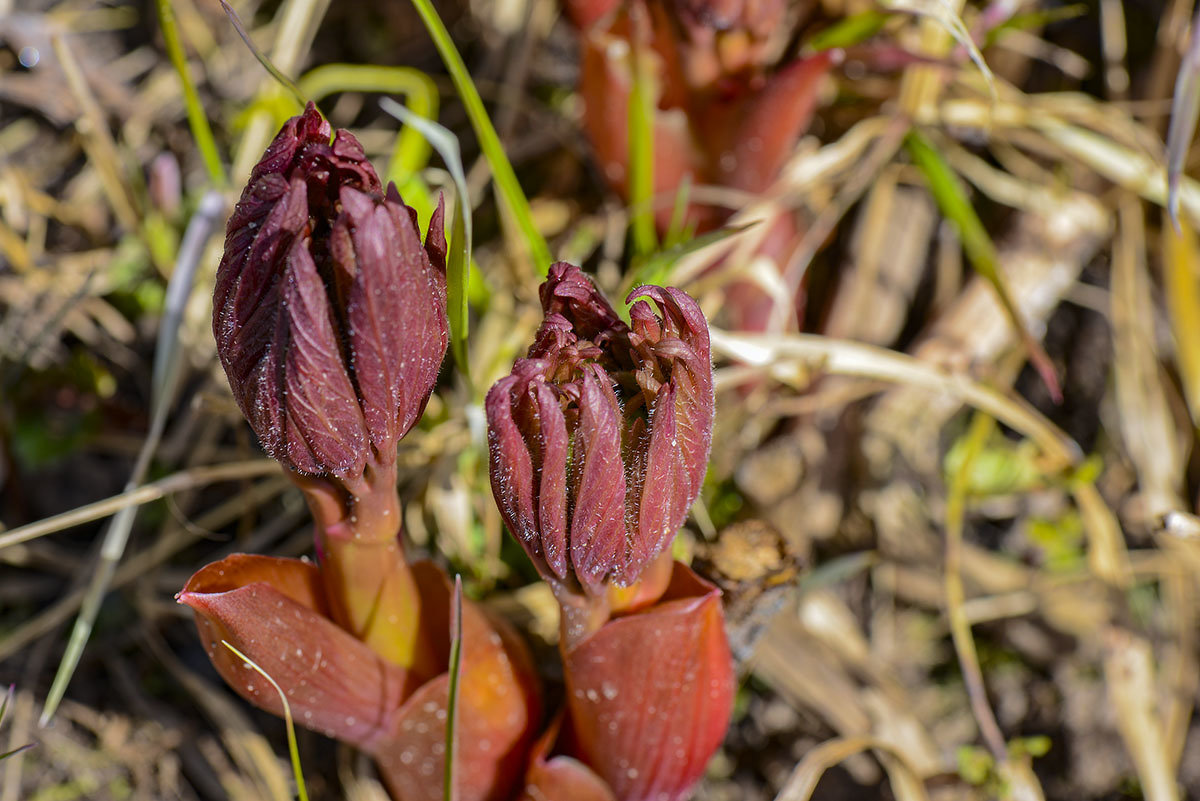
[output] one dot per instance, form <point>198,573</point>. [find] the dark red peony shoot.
<point>318,262</point>
<point>599,443</point>
<point>330,320</point>
<point>600,438</point>
<point>730,105</point>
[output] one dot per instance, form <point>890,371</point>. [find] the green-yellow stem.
<point>580,614</point>
<point>369,584</point>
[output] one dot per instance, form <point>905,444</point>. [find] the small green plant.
<point>977,766</point>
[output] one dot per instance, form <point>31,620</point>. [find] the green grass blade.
<point>960,627</point>
<point>283,80</point>
<point>641,155</point>
<point>458,265</point>
<point>115,539</point>
<point>197,120</point>
<point>449,792</point>
<point>678,230</point>
<point>657,268</point>
<point>16,751</point>
<point>502,171</point>
<point>952,201</point>
<point>458,258</point>
<point>8,696</point>
<point>1033,20</point>
<point>293,749</point>
<point>852,30</point>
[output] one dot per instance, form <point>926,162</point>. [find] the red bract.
<point>600,438</point>
<point>274,611</point>
<point>329,313</point>
<point>650,694</point>
<point>561,778</point>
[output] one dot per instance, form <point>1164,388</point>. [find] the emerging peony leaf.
<point>600,438</point>
<point>650,731</point>
<point>273,611</point>
<point>561,778</point>
<point>329,313</point>
<point>729,107</point>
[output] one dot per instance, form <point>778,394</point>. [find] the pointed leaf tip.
<point>650,733</point>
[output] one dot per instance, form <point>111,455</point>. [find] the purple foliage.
<point>329,313</point>
<point>600,438</point>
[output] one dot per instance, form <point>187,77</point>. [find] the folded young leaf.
<point>650,695</point>
<point>329,313</point>
<point>272,610</point>
<point>560,778</point>
<point>600,438</point>
<point>498,708</point>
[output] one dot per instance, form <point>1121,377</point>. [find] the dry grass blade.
<point>97,141</point>
<point>1129,674</point>
<point>1107,155</point>
<point>143,561</point>
<point>781,355</point>
<point>177,482</point>
<point>865,174</point>
<point>946,14</point>
<point>803,781</point>
<point>786,357</point>
<point>4,705</point>
<point>1181,662</point>
<point>1147,425</point>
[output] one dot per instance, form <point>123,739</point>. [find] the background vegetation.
<point>947,583</point>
